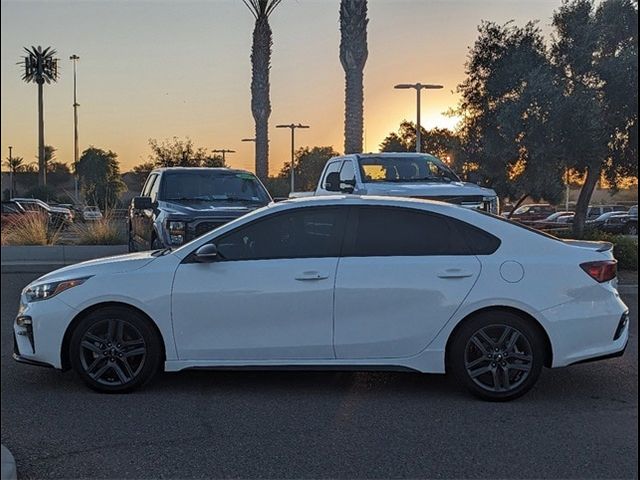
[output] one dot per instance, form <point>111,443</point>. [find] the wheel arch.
<point>548,355</point>
<point>65,361</point>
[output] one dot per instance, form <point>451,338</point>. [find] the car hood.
<point>206,209</point>
<point>101,266</point>
<point>428,189</point>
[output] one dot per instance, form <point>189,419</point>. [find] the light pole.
<point>224,151</point>
<point>10,173</point>
<point>74,59</point>
<point>293,127</point>
<point>418,88</point>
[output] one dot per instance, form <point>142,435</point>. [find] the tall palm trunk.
<point>260,101</point>
<point>42,165</point>
<point>353,56</point>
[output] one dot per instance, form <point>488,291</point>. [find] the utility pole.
<point>293,127</point>
<point>10,173</point>
<point>74,59</point>
<point>418,88</point>
<point>224,151</point>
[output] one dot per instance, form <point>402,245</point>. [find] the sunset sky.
<point>158,69</point>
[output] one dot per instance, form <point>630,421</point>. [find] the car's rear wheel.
<point>115,350</point>
<point>631,229</point>
<point>497,355</point>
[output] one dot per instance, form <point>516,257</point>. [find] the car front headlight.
<point>43,291</point>
<point>493,204</point>
<point>177,231</point>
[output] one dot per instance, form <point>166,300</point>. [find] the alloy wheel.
<point>113,352</point>
<point>498,358</point>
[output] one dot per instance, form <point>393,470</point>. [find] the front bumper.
<point>41,342</point>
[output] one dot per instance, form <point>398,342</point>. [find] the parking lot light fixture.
<point>293,127</point>
<point>418,88</point>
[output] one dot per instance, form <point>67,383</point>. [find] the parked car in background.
<point>11,211</point>
<point>179,204</point>
<point>532,212</point>
<point>90,213</point>
<point>610,222</point>
<point>58,216</point>
<point>594,211</point>
<point>631,224</point>
<point>412,175</point>
<point>552,220</point>
<point>332,283</point>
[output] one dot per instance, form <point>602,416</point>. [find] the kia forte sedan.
<point>335,282</point>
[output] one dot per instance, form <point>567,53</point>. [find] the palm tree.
<point>353,56</point>
<point>260,64</point>
<point>40,67</point>
<point>15,165</point>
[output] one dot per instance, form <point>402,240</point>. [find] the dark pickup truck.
<point>179,204</point>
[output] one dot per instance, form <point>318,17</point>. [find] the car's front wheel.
<point>115,350</point>
<point>497,355</point>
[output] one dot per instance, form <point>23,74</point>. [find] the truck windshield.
<point>212,185</point>
<point>414,168</point>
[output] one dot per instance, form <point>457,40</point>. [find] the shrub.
<point>30,229</point>
<point>625,248</point>
<point>101,232</point>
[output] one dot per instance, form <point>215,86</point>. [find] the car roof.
<point>374,200</point>
<point>199,169</point>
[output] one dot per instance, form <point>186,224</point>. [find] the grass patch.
<point>106,231</point>
<point>30,229</point>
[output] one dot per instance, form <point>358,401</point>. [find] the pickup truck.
<point>179,204</point>
<point>413,175</point>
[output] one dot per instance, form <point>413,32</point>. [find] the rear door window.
<point>397,231</point>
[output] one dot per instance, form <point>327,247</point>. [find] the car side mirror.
<point>207,253</point>
<point>332,182</point>
<point>142,203</point>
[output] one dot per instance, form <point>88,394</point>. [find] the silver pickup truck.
<point>401,175</point>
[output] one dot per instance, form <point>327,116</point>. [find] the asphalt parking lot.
<point>578,422</point>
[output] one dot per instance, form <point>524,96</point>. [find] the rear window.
<point>396,231</point>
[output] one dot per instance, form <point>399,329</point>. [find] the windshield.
<point>212,185</point>
<point>415,168</point>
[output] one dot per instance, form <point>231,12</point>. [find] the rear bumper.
<point>604,357</point>
<point>588,329</point>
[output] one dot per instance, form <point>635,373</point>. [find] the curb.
<point>9,471</point>
<point>34,259</point>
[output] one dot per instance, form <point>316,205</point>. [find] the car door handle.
<point>311,275</point>
<point>455,273</point>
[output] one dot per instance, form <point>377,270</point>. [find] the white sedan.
<point>335,282</point>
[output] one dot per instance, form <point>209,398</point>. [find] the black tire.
<point>631,228</point>
<point>120,345</point>
<point>484,361</point>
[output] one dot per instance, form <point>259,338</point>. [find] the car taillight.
<point>601,271</point>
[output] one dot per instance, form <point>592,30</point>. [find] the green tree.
<point>353,56</point>
<point>260,89</point>
<point>440,142</point>
<point>508,133</point>
<point>99,175</point>
<point>596,51</point>
<point>309,163</point>
<point>214,161</point>
<point>181,153</point>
